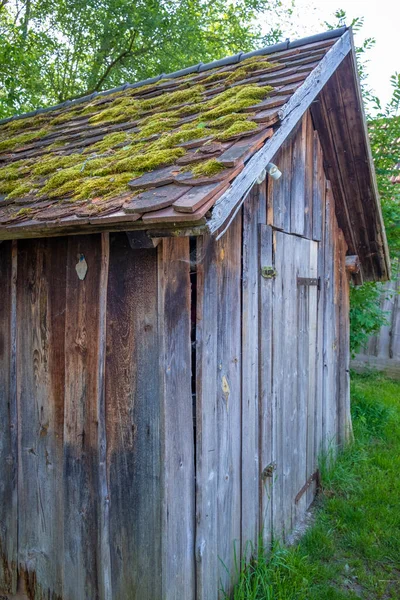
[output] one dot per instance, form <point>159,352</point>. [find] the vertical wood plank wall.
<point>294,398</point>
<point>100,462</point>
<point>108,487</point>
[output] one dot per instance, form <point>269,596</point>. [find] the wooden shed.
<point>174,321</point>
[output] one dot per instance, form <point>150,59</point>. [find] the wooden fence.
<point>383,349</point>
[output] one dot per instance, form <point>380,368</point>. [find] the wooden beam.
<point>228,205</point>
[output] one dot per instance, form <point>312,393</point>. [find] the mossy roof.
<point>154,153</point>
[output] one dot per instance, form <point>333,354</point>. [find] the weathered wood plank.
<point>298,183</point>
<point>40,387</point>
<point>318,188</point>
<point>250,376</point>
<point>319,402</point>
<point>312,458</point>
<point>266,397</point>
<point>278,370</point>
<point>347,166</point>
<point>132,401</point>
<point>329,433</point>
<point>301,390</point>
<point>8,421</point>
<point>284,380</point>
<point>382,257</point>
<point>279,191</point>
<point>82,519</point>
<point>229,400</point>
<point>178,510</point>
<point>309,177</point>
<point>207,514</point>
<point>345,427</point>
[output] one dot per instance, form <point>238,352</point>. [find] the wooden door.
<point>289,317</point>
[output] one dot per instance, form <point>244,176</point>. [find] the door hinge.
<point>268,272</point>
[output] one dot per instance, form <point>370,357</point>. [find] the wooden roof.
<point>175,153</point>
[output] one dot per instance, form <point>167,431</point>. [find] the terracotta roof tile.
<point>155,151</point>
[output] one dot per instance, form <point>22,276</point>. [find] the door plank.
<point>178,509</point>
<point>132,399</point>
<point>82,519</point>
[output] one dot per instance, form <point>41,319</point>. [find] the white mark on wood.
<point>81,267</point>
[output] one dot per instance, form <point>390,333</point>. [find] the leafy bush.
<point>366,314</point>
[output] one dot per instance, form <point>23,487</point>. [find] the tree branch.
<point>114,62</point>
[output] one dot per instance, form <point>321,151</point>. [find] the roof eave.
<point>375,260</point>
<point>226,208</point>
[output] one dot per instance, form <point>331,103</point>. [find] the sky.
<point>381,21</point>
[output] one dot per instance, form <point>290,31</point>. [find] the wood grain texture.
<point>298,179</point>
<point>207,514</point>
<point>279,190</point>
<point>133,422</point>
<point>40,388</point>
<point>311,384</point>
<point>82,518</point>
<point>329,432</point>
<point>345,427</point>
<point>309,177</point>
<point>250,375</point>
<point>8,421</point>
<point>178,503</point>
<point>229,400</point>
<point>267,415</point>
<point>318,188</point>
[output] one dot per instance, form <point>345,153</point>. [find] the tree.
<point>54,50</point>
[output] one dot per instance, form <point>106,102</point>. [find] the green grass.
<point>353,549</point>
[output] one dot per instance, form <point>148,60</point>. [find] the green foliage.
<point>352,550</point>
<point>52,51</point>
<point>366,314</point>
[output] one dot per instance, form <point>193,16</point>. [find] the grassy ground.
<point>353,549</point>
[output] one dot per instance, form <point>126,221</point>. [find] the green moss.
<point>23,211</point>
<point>19,140</point>
<point>6,187</point>
<point>253,92</point>
<point>236,128</point>
<point>208,168</point>
<point>67,115</point>
<point>228,120</point>
<point>124,109</point>
<point>182,135</point>
<point>246,68</point>
<point>191,94</point>
<point>61,177</point>
<point>67,189</point>
<point>235,99</point>
<point>103,186</point>
<point>218,76</point>
<point>156,125</point>
<point>21,190</point>
<point>111,140</point>
<point>49,164</point>
<point>14,171</point>
<point>146,162</point>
